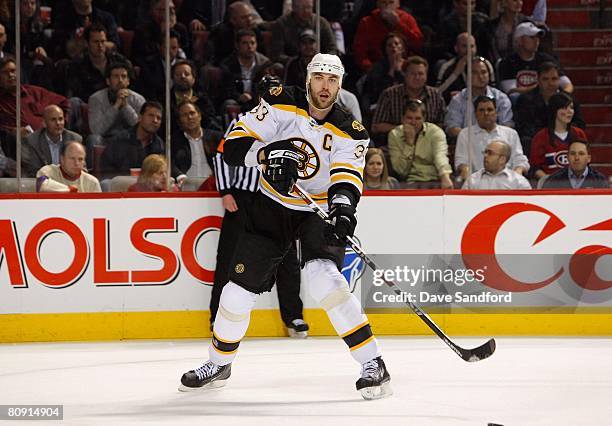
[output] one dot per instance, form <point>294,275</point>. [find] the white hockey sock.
<point>231,323</point>
<point>330,289</point>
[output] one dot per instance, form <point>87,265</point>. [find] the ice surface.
<point>528,381</point>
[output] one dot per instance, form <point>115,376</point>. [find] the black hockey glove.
<point>281,162</point>
<point>343,217</point>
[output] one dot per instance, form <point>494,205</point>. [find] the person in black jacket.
<point>530,111</point>
<point>578,174</point>
<point>193,146</point>
<point>129,148</point>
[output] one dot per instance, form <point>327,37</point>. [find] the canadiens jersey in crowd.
<point>333,150</point>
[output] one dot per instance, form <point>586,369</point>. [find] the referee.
<point>238,186</point>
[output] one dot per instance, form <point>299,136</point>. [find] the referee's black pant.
<point>287,274</point>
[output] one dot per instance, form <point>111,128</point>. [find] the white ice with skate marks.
<point>528,381</point>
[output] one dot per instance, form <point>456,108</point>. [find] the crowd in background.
<point>94,73</point>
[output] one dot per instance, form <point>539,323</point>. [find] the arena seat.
<point>9,185</point>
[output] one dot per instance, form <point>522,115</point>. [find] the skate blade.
<point>376,392</point>
<point>297,334</point>
<point>212,385</point>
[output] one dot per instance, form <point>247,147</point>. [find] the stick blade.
<point>481,352</point>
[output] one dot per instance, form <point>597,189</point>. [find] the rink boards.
<point>120,266</point>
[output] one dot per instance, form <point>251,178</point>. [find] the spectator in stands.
<point>376,172</point>
<point>295,68</point>
<point>239,68</point>
<point>469,157</point>
<point>495,174</point>
<point>36,65</point>
<point>578,174</point>
<point>518,71</point>
<point>115,108</point>
<point>418,150</point>
<point>149,35</point>
<point>43,146</point>
<point>286,32</point>
<point>184,89</point>
<point>223,35</point>
<point>531,107</point>
<point>193,147</point>
<point>392,102</point>
<point>69,175</point>
<point>86,75</point>
<point>455,23</point>
<point>33,101</point>
<point>372,30</point>
<point>151,82</point>
<point>128,149</point>
<point>387,72</point>
<point>549,146</point>
<point>69,24</point>
<point>452,74</point>
<point>502,29</point>
<point>153,175</point>
<point>456,114</point>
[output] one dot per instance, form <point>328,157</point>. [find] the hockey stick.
<point>469,355</point>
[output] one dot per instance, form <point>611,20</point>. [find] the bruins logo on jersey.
<point>275,91</point>
<point>309,164</point>
<point>358,126</point>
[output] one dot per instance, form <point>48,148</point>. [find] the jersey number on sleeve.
<point>261,112</point>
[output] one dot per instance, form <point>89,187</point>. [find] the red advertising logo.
<point>30,259</point>
<point>478,249</point>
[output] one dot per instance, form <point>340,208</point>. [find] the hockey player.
<point>323,147</point>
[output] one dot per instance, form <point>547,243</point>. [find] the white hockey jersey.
<point>334,150</point>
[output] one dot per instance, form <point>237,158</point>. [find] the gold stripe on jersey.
<point>346,166</point>
<point>241,130</point>
<point>299,111</point>
<point>318,198</point>
<point>347,177</point>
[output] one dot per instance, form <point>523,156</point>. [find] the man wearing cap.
<point>300,136</point>
<point>518,71</point>
<point>295,69</point>
<point>286,31</point>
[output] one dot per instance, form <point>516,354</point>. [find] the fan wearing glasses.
<point>495,174</point>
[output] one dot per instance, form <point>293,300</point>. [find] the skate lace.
<point>370,369</point>
<point>206,370</point>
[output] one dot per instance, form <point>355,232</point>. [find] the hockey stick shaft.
<point>476,354</point>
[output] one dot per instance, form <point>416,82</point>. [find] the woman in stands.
<point>376,172</point>
<point>152,176</point>
<point>549,146</point>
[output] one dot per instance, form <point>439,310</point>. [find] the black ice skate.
<point>208,376</point>
<point>298,329</point>
<point>374,380</point>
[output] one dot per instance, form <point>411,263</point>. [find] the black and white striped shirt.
<point>234,177</point>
